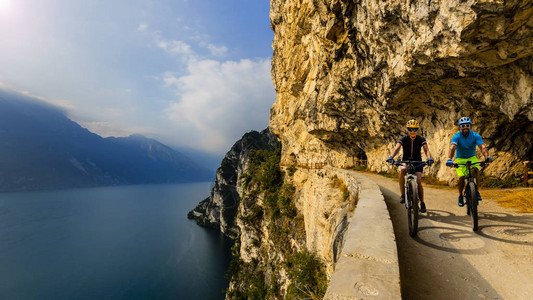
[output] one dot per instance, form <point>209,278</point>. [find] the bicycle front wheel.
<point>412,212</point>
<point>472,203</point>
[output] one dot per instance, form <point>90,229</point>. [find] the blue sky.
<point>190,73</point>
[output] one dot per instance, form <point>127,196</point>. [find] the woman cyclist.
<point>412,145</point>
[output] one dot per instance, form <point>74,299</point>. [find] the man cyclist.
<point>465,142</point>
<point>412,145</point>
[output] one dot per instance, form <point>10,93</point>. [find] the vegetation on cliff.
<point>220,209</point>
<point>283,269</point>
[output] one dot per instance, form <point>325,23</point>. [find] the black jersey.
<point>412,148</point>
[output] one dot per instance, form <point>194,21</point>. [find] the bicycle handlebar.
<point>481,163</point>
<point>411,162</point>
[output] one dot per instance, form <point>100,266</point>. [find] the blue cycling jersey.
<point>466,146</point>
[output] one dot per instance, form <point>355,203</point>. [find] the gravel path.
<point>447,260</point>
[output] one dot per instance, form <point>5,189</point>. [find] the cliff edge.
<point>220,208</point>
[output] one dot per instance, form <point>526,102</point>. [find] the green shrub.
<point>291,170</point>
<point>263,168</point>
<point>308,276</point>
<point>264,178</point>
<point>345,195</point>
<point>254,216</point>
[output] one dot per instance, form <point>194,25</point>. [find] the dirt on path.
<point>447,260</point>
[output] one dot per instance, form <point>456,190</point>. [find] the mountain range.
<point>41,148</point>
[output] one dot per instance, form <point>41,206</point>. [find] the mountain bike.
<point>411,193</point>
<point>470,192</point>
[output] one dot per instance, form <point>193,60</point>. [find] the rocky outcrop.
<point>349,74</point>
<point>307,216</point>
<point>220,208</point>
<point>276,216</point>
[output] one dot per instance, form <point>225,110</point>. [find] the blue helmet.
<point>464,120</point>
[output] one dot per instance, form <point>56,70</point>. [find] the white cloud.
<point>175,47</point>
<point>61,104</point>
<point>217,51</point>
<point>106,129</point>
<point>142,27</point>
<point>182,49</point>
<point>220,101</point>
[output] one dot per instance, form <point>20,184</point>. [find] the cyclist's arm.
<point>484,150</point>
<point>396,149</point>
<point>452,151</point>
<point>426,150</point>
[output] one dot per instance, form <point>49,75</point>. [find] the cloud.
<point>220,101</point>
<point>105,129</point>
<point>217,51</point>
<point>175,47</point>
<point>60,104</point>
<point>142,27</point>
<point>182,49</point>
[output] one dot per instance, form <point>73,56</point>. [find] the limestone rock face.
<point>326,212</point>
<point>325,200</point>
<point>350,74</point>
<point>220,208</point>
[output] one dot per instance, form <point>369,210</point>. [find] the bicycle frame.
<point>471,196</point>
<point>411,193</point>
<point>410,175</point>
<point>468,165</point>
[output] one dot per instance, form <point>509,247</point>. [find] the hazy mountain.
<point>40,148</point>
<point>209,160</point>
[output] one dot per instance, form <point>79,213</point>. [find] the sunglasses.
<point>465,126</point>
<point>413,129</point>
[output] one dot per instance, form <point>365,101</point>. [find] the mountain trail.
<point>447,260</point>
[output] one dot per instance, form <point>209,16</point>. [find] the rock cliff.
<point>349,74</point>
<point>292,223</point>
<point>220,208</point>
<point>283,220</point>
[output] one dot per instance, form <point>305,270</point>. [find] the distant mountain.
<point>40,148</point>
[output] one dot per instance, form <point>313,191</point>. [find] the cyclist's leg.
<point>401,179</point>
<point>420,192</point>
<point>461,185</point>
<point>461,173</point>
<point>420,189</point>
<point>475,172</point>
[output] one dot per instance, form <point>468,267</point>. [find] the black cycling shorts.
<point>417,169</point>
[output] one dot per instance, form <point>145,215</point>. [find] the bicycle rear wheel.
<point>472,203</point>
<point>412,212</point>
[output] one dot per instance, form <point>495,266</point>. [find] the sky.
<point>189,73</point>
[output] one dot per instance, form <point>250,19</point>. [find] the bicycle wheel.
<point>467,201</point>
<point>412,212</point>
<point>472,195</point>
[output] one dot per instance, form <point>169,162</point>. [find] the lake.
<point>126,242</point>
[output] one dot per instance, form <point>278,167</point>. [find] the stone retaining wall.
<point>368,265</point>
